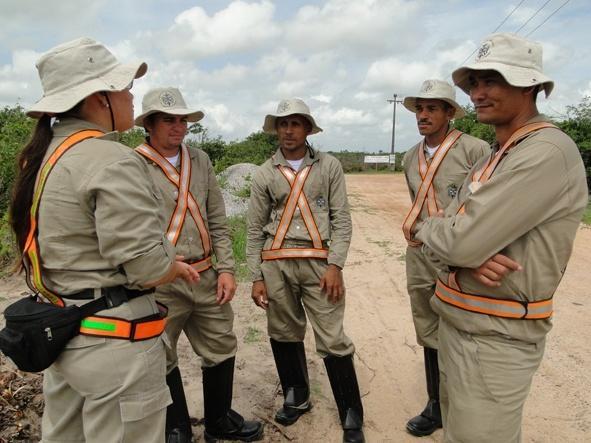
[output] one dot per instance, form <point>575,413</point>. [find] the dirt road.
<point>388,361</point>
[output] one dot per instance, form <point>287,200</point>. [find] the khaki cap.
<point>437,90</point>
<point>168,100</point>
<point>290,106</point>
<point>518,60</point>
<point>74,70</point>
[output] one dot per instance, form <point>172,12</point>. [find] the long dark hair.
<point>29,163</point>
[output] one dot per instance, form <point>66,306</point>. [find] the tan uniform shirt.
<point>208,196</point>
<point>97,217</point>
<point>327,196</point>
<point>529,210</point>
<point>460,158</point>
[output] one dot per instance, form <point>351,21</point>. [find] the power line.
<point>509,15</point>
<point>532,16</point>
<point>547,18</point>
<point>497,28</point>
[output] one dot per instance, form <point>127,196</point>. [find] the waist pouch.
<point>36,333</point>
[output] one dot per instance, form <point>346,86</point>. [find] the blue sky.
<point>235,59</point>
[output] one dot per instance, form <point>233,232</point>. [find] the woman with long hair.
<point>88,205</point>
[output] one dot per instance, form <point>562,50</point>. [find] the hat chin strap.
<point>110,108</point>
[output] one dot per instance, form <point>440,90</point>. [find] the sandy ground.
<point>388,360</point>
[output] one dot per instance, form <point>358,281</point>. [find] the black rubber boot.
<point>178,424</point>
<point>221,421</point>
<point>429,420</point>
<point>343,381</point>
<point>290,360</point>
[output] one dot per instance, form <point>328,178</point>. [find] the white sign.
<point>376,159</point>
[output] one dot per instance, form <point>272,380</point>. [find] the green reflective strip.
<point>97,325</point>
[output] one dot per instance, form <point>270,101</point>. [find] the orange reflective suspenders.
<point>31,255</point>
<point>506,308</point>
<point>426,191</point>
<point>185,201</point>
<point>296,199</point>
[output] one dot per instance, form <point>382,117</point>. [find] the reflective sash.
<point>494,306</point>
<point>185,199</point>
<point>296,199</point>
<point>483,174</point>
<point>31,253</point>
<point>426,190</point>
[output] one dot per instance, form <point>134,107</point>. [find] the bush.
<point>238,232</point>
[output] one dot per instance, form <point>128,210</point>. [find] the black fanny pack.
<point>36,333</point>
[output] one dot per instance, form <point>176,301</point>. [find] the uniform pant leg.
<point>61,415</point>
<point>209,326</point>
<point>488,380</point>
<point>325,317</point>
<point>420,280</point>
<point>180,305</point>
<point>286,319</point>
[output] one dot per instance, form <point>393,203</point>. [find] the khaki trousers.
<point>293,289</point>
<point>108,390</point>
<point>484,383</point>
<point>421,278</point>
<point>208,326</point>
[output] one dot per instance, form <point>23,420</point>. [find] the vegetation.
<point>238,233</point>
<point>587,215</point>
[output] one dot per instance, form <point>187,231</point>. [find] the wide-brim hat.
<point>518,60</point>
<point>435,90</point>
<point>74,70</point>
<point>168,100</point>
<point>290,106</point>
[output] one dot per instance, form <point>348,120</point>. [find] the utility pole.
<point>395,101</point>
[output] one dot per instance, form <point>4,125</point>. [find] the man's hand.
<point>259,294</point>
<point>226,288</point>
<point>491,272</point>
<point>332,283</point>
<point>178,269</point>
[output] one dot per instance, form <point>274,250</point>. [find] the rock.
<point>235,185</point>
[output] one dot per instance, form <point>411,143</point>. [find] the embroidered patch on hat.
<point>452,190</point>
<point>484,50</point>
<point>283,106</point>
<point>427,86</point>
<point>167,99</point>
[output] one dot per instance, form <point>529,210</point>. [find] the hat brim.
<point>192,115</point>
<point>514,75</point>
<point>410,103</point>
<point>270,119</point>
<point>115,80</point>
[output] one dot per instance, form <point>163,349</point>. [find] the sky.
<point>235,60</point>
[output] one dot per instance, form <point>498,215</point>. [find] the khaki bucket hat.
<point>518,60</point>
<point>290,106</point>
<point>74,70</point>
<point>438,90</point>
<point>168,100</point>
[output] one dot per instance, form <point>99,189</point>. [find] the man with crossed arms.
<point>192,201</point>
<point>434,168</point>
<point>525,201</point>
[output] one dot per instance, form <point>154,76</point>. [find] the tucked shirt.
<point>326,193</point>
<point>99,223</point>
<point>529,210</point>
<point>210,201</point>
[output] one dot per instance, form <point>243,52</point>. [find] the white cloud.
<point>240,27</point>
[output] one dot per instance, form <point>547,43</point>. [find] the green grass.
<point>238,233</point>
<point>587,215</point>
<point>253,335</point>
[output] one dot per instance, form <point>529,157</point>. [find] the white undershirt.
<point>172,160</point>
<point>295,164</point>
<point>431,151</point>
